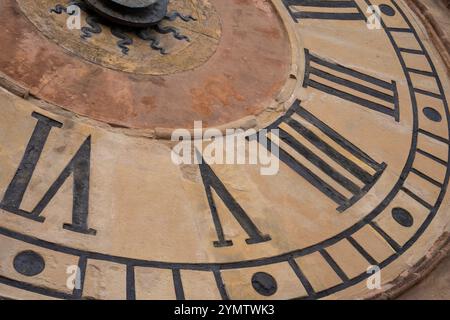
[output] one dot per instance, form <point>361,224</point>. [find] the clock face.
<point>350,95</point>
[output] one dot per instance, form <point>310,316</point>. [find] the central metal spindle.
<point>132,13</point>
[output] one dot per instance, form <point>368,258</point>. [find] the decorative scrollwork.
<point>145,35</point>
<point>173,15</point>
<point>93,28</point>
<point>124,41</point>
<point>94,23</point>
<point>174,31</point>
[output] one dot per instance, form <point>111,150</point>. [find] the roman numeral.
<point>211,181</point>
<point>79,167</point>
<point>351,85</point>
<point>326,155</point>
<point>324,9</point>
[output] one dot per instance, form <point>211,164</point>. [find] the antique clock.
<point>352,93</point>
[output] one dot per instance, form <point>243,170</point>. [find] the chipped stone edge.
<point>441,248</point>
<point>434,30</point>
<point>13,86</point>
<point>414,275</point>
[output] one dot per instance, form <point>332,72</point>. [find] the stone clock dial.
<point>92,205</point>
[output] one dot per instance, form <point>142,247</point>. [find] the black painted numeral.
<point>302,122</point>
<point>351,85</point>
<point>211,181</point>
<point>322,9</point>
<point>79,167</point>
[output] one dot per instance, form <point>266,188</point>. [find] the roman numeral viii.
<point>79,167</point>
<point>351,85</point>
<point>324,158</point>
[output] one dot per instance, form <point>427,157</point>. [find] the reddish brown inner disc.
<point>245,74</point>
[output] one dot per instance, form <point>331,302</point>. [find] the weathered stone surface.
<point>363,173</point>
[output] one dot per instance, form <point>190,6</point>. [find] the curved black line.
<point>124,41</point>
